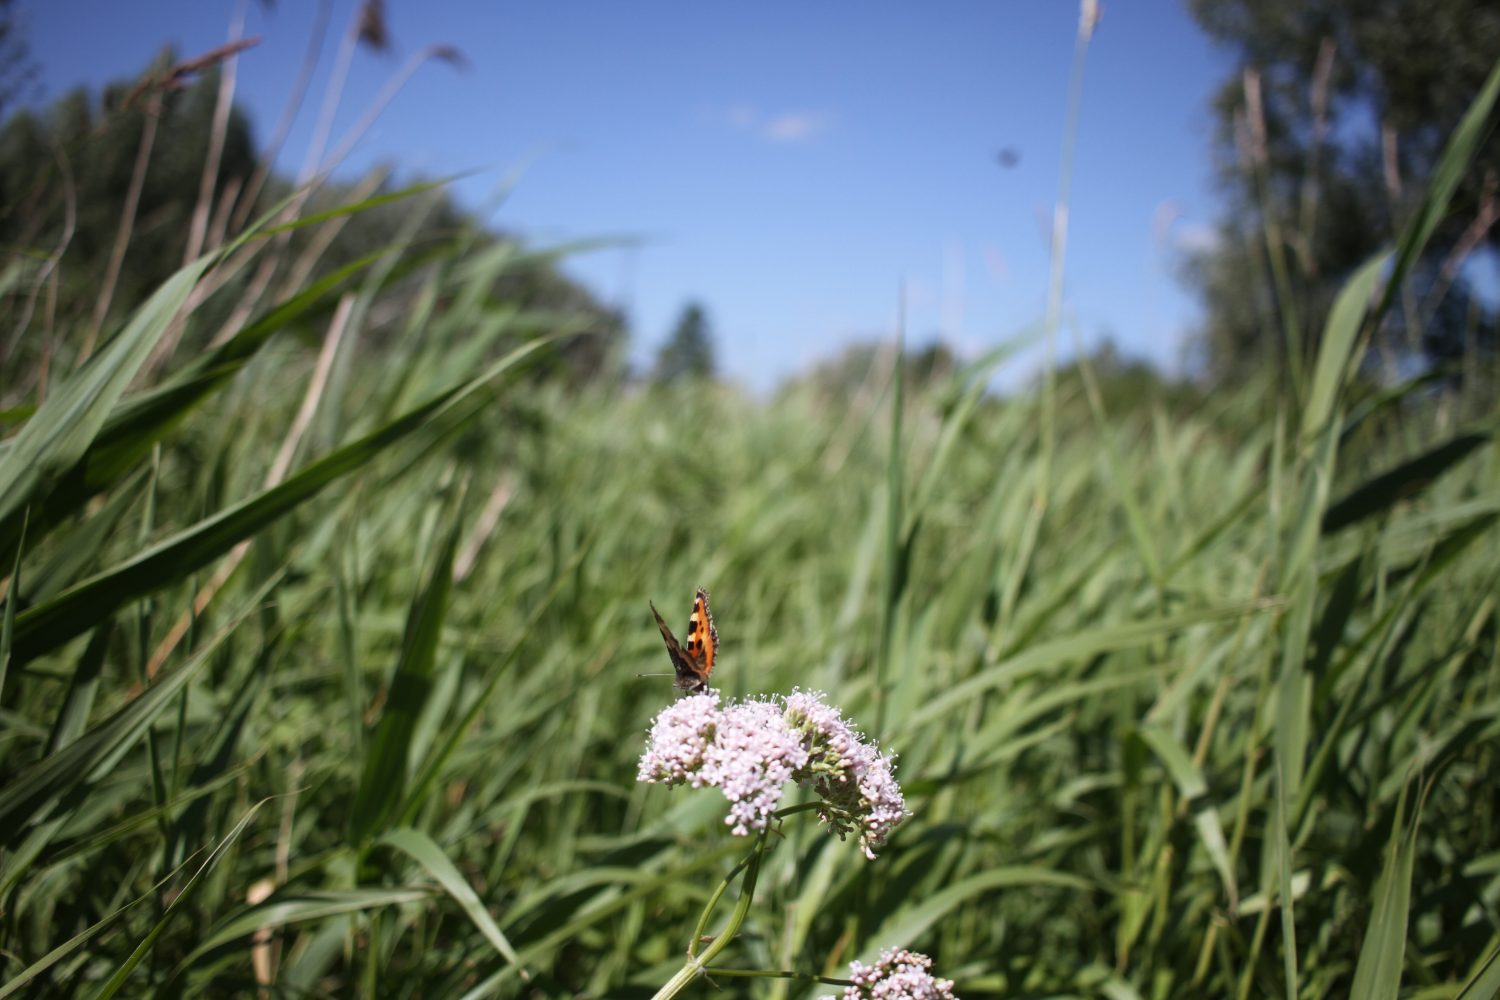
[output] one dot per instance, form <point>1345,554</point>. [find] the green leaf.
<point>77,941</point>
<point>48,625</point>
<point>1185,774</point>
<point>1406,480</point>
<point>300,907</point>
<point>40,785</point>
<point>12,598</point>
<point>1340,336</point>
<point>1383,953</point>
<point>65,425</point>
<point>1079,646</point>
<point>1484,984</point>
<point>383,782</point>
<point>911,923</point>
<point>1463,144</point>
<point>1337,353</point>
<point>423,850</point>
<point>85,541</point>
<point>113,984</point>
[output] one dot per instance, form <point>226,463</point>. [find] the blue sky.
<point>790,165</point>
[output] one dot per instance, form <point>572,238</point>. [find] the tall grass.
<point>1222,723</point>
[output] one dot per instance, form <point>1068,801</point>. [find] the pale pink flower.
<point>899,975</point>
<point>750,750</point>
<point>753,754</point>
<point>680,737</point>
<point>852,777</point>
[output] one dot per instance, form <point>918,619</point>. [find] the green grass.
<point>1187,702</point>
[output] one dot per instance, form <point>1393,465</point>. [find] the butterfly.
<point>694,660</point>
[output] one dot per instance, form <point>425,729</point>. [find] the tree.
<point>64,175</point>
<point>1327,135</point>
<point>689,352</point>
<point>18,71</point>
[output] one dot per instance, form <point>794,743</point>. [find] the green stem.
<point>696,965</point>
<point>718,894</point>
<point>806,977</point>
<point>713,901</point>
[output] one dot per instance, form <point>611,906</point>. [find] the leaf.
<point>1462,146</point>
<point>113,984</point>
<point>913,922</point>
<point>422,849</point>
<point>1407,480</point>
<point>12,598</point>
<point>1340,336</point>
<point>1185,774</point>
<point>1337,355</point>
<point>1081,645</point>
<point>1383,952</point>
<point>278,911</point>
<point>47,781</point>
<point>48,625</point>
<point>1484,984</point>
<point>65,425</point>
<point>84,542</point>
<point>1190,785</point>
<point>383,782</point>
<point>82,938</point>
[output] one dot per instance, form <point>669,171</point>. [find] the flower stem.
<point>713,900</point>
<point>806,977</point>
<point>696,965</point>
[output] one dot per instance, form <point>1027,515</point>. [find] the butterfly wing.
<point>694,663</point>
<point>702,641</point>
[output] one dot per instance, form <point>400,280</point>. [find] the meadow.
<point>321,649</point>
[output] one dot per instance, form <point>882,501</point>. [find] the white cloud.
<point>792,127</point>
<point>1195,237</point>
<point>785,127</point>
<point>1172,229</point>
<point>742,116</point>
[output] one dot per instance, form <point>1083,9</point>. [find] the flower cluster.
<point>751,749</point>
<point>899,975</point>
<point>853,779</point>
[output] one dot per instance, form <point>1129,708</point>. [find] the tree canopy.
<point>66,172</point>
<point>1326,137</point>
<point>688,353</point>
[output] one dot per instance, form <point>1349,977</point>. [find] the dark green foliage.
<point>64,176</point>
<point>79,155</point>
<point>1325,142</point>
<point>688,353</point>
<point>18,71</point>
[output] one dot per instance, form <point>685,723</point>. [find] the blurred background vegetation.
<point>329,517</point>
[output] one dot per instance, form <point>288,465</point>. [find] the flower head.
<point>899,975</point>
<point>753,754</point>
<point>751,749</point>
<point>853,778</point>
<point>680,738</point>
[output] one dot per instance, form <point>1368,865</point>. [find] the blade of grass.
<point>95,753</point>
<point>383,781</point>
<point>423,850</point>
<point>1383,953</point>
<point>79,608</point>
<point>113,984</point>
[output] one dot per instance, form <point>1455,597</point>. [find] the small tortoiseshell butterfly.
<point>693,660</point>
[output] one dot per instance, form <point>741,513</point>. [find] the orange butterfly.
<point>695,662</point>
